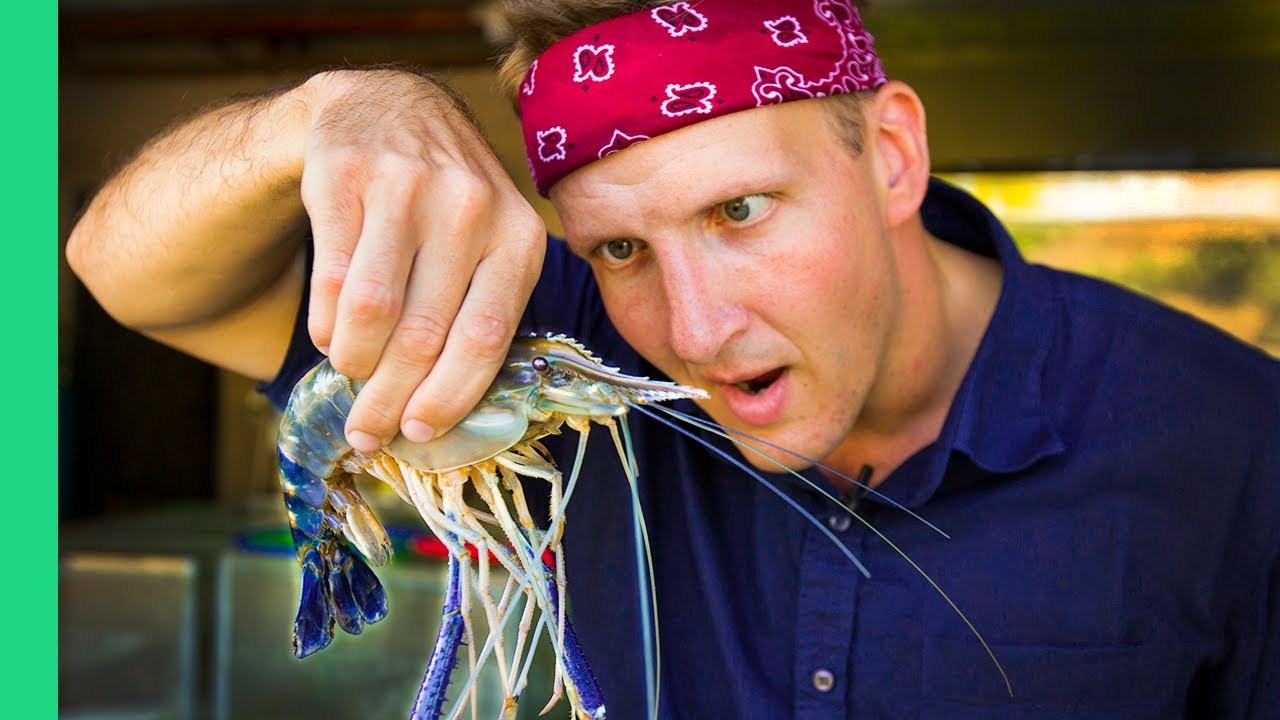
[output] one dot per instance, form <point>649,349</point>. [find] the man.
<point>753,201</point>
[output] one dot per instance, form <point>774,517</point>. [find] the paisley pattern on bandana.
<point>679,18</point>
<point>593,63</point>
<point>786,31</point>
<point>620,141</point>
<point>551,144</point>
<point>778,85</point>
<point>683,63</point>
<point>526,87</point>
<point>691,98</point>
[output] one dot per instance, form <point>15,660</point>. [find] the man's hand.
<point>425,252</point>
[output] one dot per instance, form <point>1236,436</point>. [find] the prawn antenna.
<point>644,569</point>
<point>699,423</point>
<point>860,482</point>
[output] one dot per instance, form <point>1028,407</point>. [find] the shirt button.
<point>823,680</point>
<point>839,522</point>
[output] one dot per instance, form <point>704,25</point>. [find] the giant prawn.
<point>545,383</point>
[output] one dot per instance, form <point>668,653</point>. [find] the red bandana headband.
<point>637,76</point>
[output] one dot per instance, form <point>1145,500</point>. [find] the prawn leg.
<point>444,656</point>
<point>579,683</point>
<point>584,691</point>
<point>511,479</point>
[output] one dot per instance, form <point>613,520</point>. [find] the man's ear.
<point>900,147</point>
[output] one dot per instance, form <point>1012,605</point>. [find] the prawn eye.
<point>541,365</point>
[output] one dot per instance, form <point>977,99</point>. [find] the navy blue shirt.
<point>1109,478</point>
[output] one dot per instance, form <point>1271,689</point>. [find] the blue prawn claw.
<point>313,627</point>
<point>354,590</point>
<point>338,587</point>
<point>327,518</point>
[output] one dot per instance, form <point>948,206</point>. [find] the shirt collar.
<point>998,418</point>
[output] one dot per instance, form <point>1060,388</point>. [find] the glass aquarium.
<point>126,637</point>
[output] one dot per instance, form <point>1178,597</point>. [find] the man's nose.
<point>704,312</point>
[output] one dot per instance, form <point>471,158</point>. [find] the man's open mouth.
<point>758,384</point>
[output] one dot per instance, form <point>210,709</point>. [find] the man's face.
<point>746,255</point>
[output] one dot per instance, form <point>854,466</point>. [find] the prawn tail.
<point>355,592</point>
<point>304,498</point>
<point>313,625</point>
<point>338,588</point>
<point>335,535</point>
<point>367,591</point>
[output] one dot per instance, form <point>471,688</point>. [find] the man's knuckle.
<point>370,300</point>
<point>393,197</point>
<point>468,197</point>
<point>321,331</point>
<point>530,226</point>
<point>333,167</point>
<point>487,333</point>
<point>328,280</point>
<point>422,334</point>
<point>347,161</point>
<point>398,174</point>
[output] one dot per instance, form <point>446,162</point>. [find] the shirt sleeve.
<point>302,354</point>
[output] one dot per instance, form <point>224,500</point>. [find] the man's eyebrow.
<point>760,181</point>
<point>591,242</point>
<point>582,246</point>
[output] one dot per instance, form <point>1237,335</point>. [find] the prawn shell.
<point>311,430</point>
<point>490,429</point>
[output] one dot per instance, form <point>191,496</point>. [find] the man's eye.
<point>618,250</point>
<point>745,207</point>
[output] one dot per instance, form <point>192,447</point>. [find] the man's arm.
<point>425,253</point>
<point>199,225</point>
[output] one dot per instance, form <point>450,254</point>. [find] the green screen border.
<point>30,361</point>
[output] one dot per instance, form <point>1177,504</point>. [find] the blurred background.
<point>1136,141</point>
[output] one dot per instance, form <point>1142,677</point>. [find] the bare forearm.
<point>425,252</point>
<point>202,219</point>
